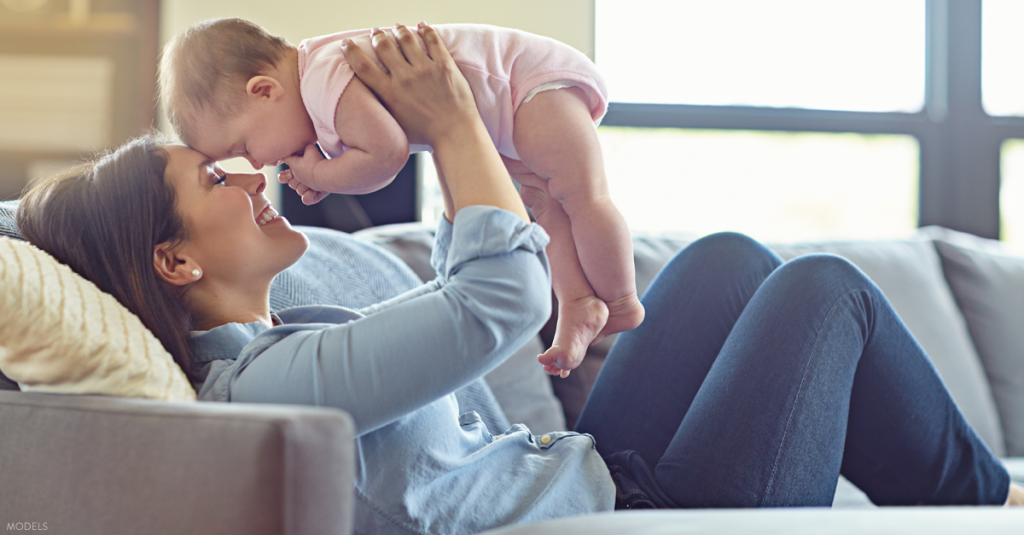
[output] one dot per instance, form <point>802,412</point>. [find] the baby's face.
<point>263,133</point>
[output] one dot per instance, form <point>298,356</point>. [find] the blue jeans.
<point>754,383</point>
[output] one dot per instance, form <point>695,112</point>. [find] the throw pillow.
<point>8,227</point>
<point>989,287</point>
<point>61,334</point>
<point>910,275</point>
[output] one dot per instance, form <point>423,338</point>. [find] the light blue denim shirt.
<point>422,466</point>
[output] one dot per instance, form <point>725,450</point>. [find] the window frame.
<point>959,142</point>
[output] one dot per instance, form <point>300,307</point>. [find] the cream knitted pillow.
<point>59,333</point>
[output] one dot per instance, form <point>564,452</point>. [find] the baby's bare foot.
<point>579,322</point>
<point>1016,496</point>
<point>623,315</point>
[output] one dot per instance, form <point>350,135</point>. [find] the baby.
<point>230,89</point>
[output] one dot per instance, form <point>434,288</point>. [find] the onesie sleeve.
<point>493,294</point>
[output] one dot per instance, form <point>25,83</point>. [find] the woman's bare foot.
<point>1016,497</point>
<point>579,322</point>
<point>623,315</point>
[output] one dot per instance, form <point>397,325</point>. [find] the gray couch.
<point>89,464</point>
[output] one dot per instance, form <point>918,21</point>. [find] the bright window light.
<point>863,55</point>
<point>772,186</point>
<point>1002,74</point>
<point>1011,194</point>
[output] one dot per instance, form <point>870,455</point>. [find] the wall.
<point>569,21</point>
<point>71,83</point>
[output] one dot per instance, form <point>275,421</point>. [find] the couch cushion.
<point>785,521</point>
<point>989,287</point>
<point>93,465</point>
<point>6,383</point>
<point>61,334</point>
<point>910,274</point>
<point>8,225</point>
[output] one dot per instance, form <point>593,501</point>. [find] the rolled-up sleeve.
<point>492,294</point>
<point>442,243</point>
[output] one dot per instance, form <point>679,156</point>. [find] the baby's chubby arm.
<point>377,150</point>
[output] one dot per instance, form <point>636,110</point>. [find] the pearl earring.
<point>196,273</point>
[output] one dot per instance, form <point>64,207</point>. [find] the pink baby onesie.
<point>501,64</point>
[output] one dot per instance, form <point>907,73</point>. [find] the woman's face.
<point>234,235</point>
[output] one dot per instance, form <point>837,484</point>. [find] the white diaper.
<point>550,86</point>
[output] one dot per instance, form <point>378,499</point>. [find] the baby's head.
<point>229,91</point>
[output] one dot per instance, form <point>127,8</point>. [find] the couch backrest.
<point>908,271</point>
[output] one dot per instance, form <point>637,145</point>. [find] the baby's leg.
<point>581,315</point>
<point>555,137</point>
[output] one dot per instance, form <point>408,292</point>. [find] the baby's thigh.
<point>555,137</point>
<point>523,175</point>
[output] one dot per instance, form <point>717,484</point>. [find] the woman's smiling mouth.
<point>266,215</point>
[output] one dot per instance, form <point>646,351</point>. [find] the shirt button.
<point>546,439</point>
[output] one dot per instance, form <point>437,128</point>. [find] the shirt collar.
<point>226,341</point>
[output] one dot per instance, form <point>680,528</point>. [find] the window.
<point>773,186</point>
<point>867,55</point>
<point>740,57</point>
<point>1011,194</point>
<point>1002,72</point>
<point>902,79</point>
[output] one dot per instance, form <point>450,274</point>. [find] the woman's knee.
<point>728,242</point>
<point>822,270</point>
<point>724,249</point>
<point>726,257</point>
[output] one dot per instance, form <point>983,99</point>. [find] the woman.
<point>751,383</point>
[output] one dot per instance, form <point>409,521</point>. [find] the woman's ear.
<point>173,267</point>
<point>261,86</point>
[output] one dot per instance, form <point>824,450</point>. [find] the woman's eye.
<point>220,179</point>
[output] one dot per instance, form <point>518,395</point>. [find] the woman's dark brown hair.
<point>103,219</point>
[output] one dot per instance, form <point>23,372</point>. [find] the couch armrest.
<point>90,464</point>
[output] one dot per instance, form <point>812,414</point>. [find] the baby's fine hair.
<point>205,68</point>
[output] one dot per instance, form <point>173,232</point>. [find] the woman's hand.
<point>426,93</point>
<point>423,89</point>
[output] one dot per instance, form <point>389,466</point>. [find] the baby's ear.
<point>263,87</point>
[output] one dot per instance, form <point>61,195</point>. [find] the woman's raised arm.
<point>428,96</point>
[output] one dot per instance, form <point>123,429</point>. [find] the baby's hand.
<point>303,166</point>
<point>309,195</point>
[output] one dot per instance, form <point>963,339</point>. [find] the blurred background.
<point>782,119</point>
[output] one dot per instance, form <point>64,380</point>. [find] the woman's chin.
<point>296,248</point>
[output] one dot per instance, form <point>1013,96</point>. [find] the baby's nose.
<point>252,161</point>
